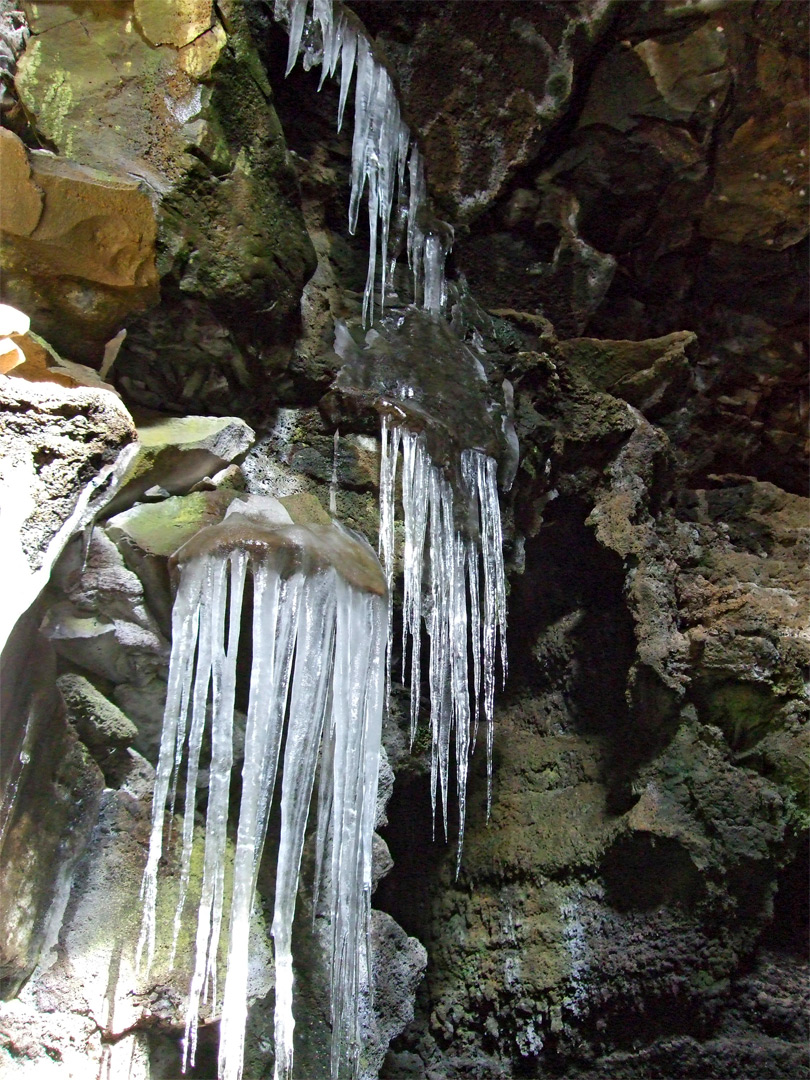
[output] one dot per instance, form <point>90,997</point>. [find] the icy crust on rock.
<point>386,162</point>
<point>418,369</point>
<point>453,582</point>
<point>318,644</point>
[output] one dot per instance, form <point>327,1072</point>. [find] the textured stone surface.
<point>21,198</point>
<point>91,974</point>
<point>212,156</point>
<point>51,789</point>
<point>176,22</point>
<point>528,58</point>
<point>61,449</point>
<point>98,619</point>
<point>97,721</point>
<point>86,261</point>
<point>649,773</point>
<point>175,453</point>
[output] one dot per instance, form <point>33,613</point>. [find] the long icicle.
<point>324,637</point>
<point>463,612</point>
<point>383,152</point>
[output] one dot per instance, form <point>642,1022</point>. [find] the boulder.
<point>175,453</point>
<point>98,619</point>
<point>398,964</point>
<point>98,723</point>
<point>78,247</point>
<point>147,534</point>
<point>654,375</point>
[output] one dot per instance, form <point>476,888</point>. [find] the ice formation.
<point>318,644</point>
<point>464,611</point>
<point>385,159</point>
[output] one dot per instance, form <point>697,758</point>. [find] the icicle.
<point>348,56</point>
<point>494,624</point>
<point>416,238</point>
<point>388,474</point>
<point>356,725</point>
<point>275,625</point>
<point>307,711</point>
<point>319,615</point>
<point>381,148</point>
<point>221,673</point>
<point>333,486</point>
<point>415,476</point>
<point>185,629</point>
<point>435,285</point>
<point>459,619</point>
<point>297,14</point>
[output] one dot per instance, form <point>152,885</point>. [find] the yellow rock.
<point>20,198</point>
<point>198,58</point>
<point>12,322</point>
<point>92,226</point>
<point>173,22</point>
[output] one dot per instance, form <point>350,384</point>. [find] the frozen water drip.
<point>463,608</point>
<point>386,162</point>
<point>318,645</point>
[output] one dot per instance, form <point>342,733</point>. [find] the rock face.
<point>201,148</point>
<point>648,787</point>
<point>528,58</point>
<point>628,184</point>
<point>62,452</point>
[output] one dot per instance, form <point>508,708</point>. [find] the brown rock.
<point>652,375</point>
<point>760,193</point>
<point>88,261</point>
<point>93,226</point>
<point>20,198</point>
<point>41,363</point>
<point>199,56</point>
<point>526,57</point>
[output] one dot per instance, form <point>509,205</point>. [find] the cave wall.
<point>628,185</point>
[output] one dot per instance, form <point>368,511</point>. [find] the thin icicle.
<point>333,486</point>
<point>494,594</point>
<point>185,630</point>
<point>277,627</point>
<point>460,679</point>
<point>210,908</point>
<point>356,723</point>
<point>415,478</point>
<point>435,286</point>
<point>389,452</point>
<point>297,14</point>
<point>348,56</point>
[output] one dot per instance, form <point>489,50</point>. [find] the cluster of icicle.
<point>318,647</point>
<point>383,153</point>
<point>462,618</point>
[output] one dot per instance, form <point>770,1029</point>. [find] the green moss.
<point>743,711</point>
